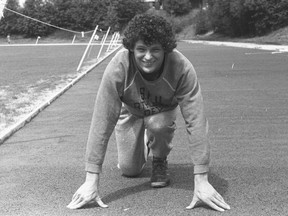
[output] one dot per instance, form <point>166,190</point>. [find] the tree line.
<point>232,18</point>
<point>76,15</point>
<point>242,17</point>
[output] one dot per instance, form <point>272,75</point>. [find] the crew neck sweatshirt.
<point>123,84</point>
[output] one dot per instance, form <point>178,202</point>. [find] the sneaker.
<point>159,176</point>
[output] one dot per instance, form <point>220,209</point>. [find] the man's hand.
<point>87,193</point>
<point>205,193</point>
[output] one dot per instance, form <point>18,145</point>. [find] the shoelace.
<point>159,167</point>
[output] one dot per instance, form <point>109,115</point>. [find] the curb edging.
<point>280,48</point>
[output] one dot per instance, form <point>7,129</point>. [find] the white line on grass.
<point>278,48</point>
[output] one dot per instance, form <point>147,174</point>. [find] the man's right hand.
<point>87,193</point>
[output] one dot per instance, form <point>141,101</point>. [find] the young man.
<point>139,92</point>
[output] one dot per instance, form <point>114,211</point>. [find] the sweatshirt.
<point>123,83</point>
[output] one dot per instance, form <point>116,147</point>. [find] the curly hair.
<point>151,29</point>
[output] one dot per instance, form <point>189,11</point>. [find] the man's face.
<point>148,58</point>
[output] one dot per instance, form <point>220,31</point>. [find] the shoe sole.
<point>159,184</point>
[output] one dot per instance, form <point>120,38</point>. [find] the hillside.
<point>279,37</point>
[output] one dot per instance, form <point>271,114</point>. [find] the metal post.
<point>103,43</point>
<point>38,38</point>
<point>116,39</point>
<point>73,39</point>
<point>86,50</point>
<point>111,41</point>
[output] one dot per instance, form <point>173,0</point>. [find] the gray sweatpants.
<point>133,134</point>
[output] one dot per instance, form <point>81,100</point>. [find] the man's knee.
<point>161,122</point>
<point>129,170</point>
<point>155,125</point>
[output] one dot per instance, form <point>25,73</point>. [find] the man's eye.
<point>141,49</point>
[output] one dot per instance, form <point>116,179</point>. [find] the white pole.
<point>85,52</point>
<point>116,39</point>
<point>102,39</point>
<point>37,39</point>
<point>111,41</point>
<point>73,39</point>
<point>103,43</point>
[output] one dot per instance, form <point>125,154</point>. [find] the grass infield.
<point>31,74</point>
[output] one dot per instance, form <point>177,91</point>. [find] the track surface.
<point>245,93</point>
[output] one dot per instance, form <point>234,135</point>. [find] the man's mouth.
<point>145,63</point>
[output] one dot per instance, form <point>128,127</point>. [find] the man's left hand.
<point>204,192</point>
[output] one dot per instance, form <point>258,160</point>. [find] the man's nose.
<point>148,55</point>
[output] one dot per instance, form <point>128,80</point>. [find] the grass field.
<point>31,74</point>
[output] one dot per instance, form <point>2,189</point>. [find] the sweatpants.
<point>135,135</point>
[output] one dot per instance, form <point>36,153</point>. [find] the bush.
<point>247,17</point>
<point>178,22</point>
<point>9,23</point>
<point>30,28</point>
<point>177,7</point>
<point>265,16</point>
<point>202,24</point>
<point>73,15</point>
<point>122,11</point>
<point>219,15</point>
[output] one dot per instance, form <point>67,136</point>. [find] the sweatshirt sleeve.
<point>106,112</point>
<point>190,100</point>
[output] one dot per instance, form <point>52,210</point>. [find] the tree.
<point>177,7</point>
<point>122,11</point>
<point>81,15</point>
<point>97,14</point>
<point>9,23</point>
<point>38,10</point>
<point>265,16</point>
<point>196,3</point>
<point>247,17</point>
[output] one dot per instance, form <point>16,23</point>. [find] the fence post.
<point>103,43</point>
<point>86,50</point>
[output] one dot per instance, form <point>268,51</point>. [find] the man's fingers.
<point>75,195</point>
<point>217,203</point>
<point>100,203</point>
<point>193,203</point>
<point>76,203</point>
<point>214,206</point>
<point>75,200</point>
<point>219,197</point>
<point>220,202</point>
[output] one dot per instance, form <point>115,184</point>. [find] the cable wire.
<point>54,26</point>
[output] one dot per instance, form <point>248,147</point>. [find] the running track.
<point>246,99</point>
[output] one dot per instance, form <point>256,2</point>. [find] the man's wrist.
<point>92,177</point>
<point>200,177</point>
